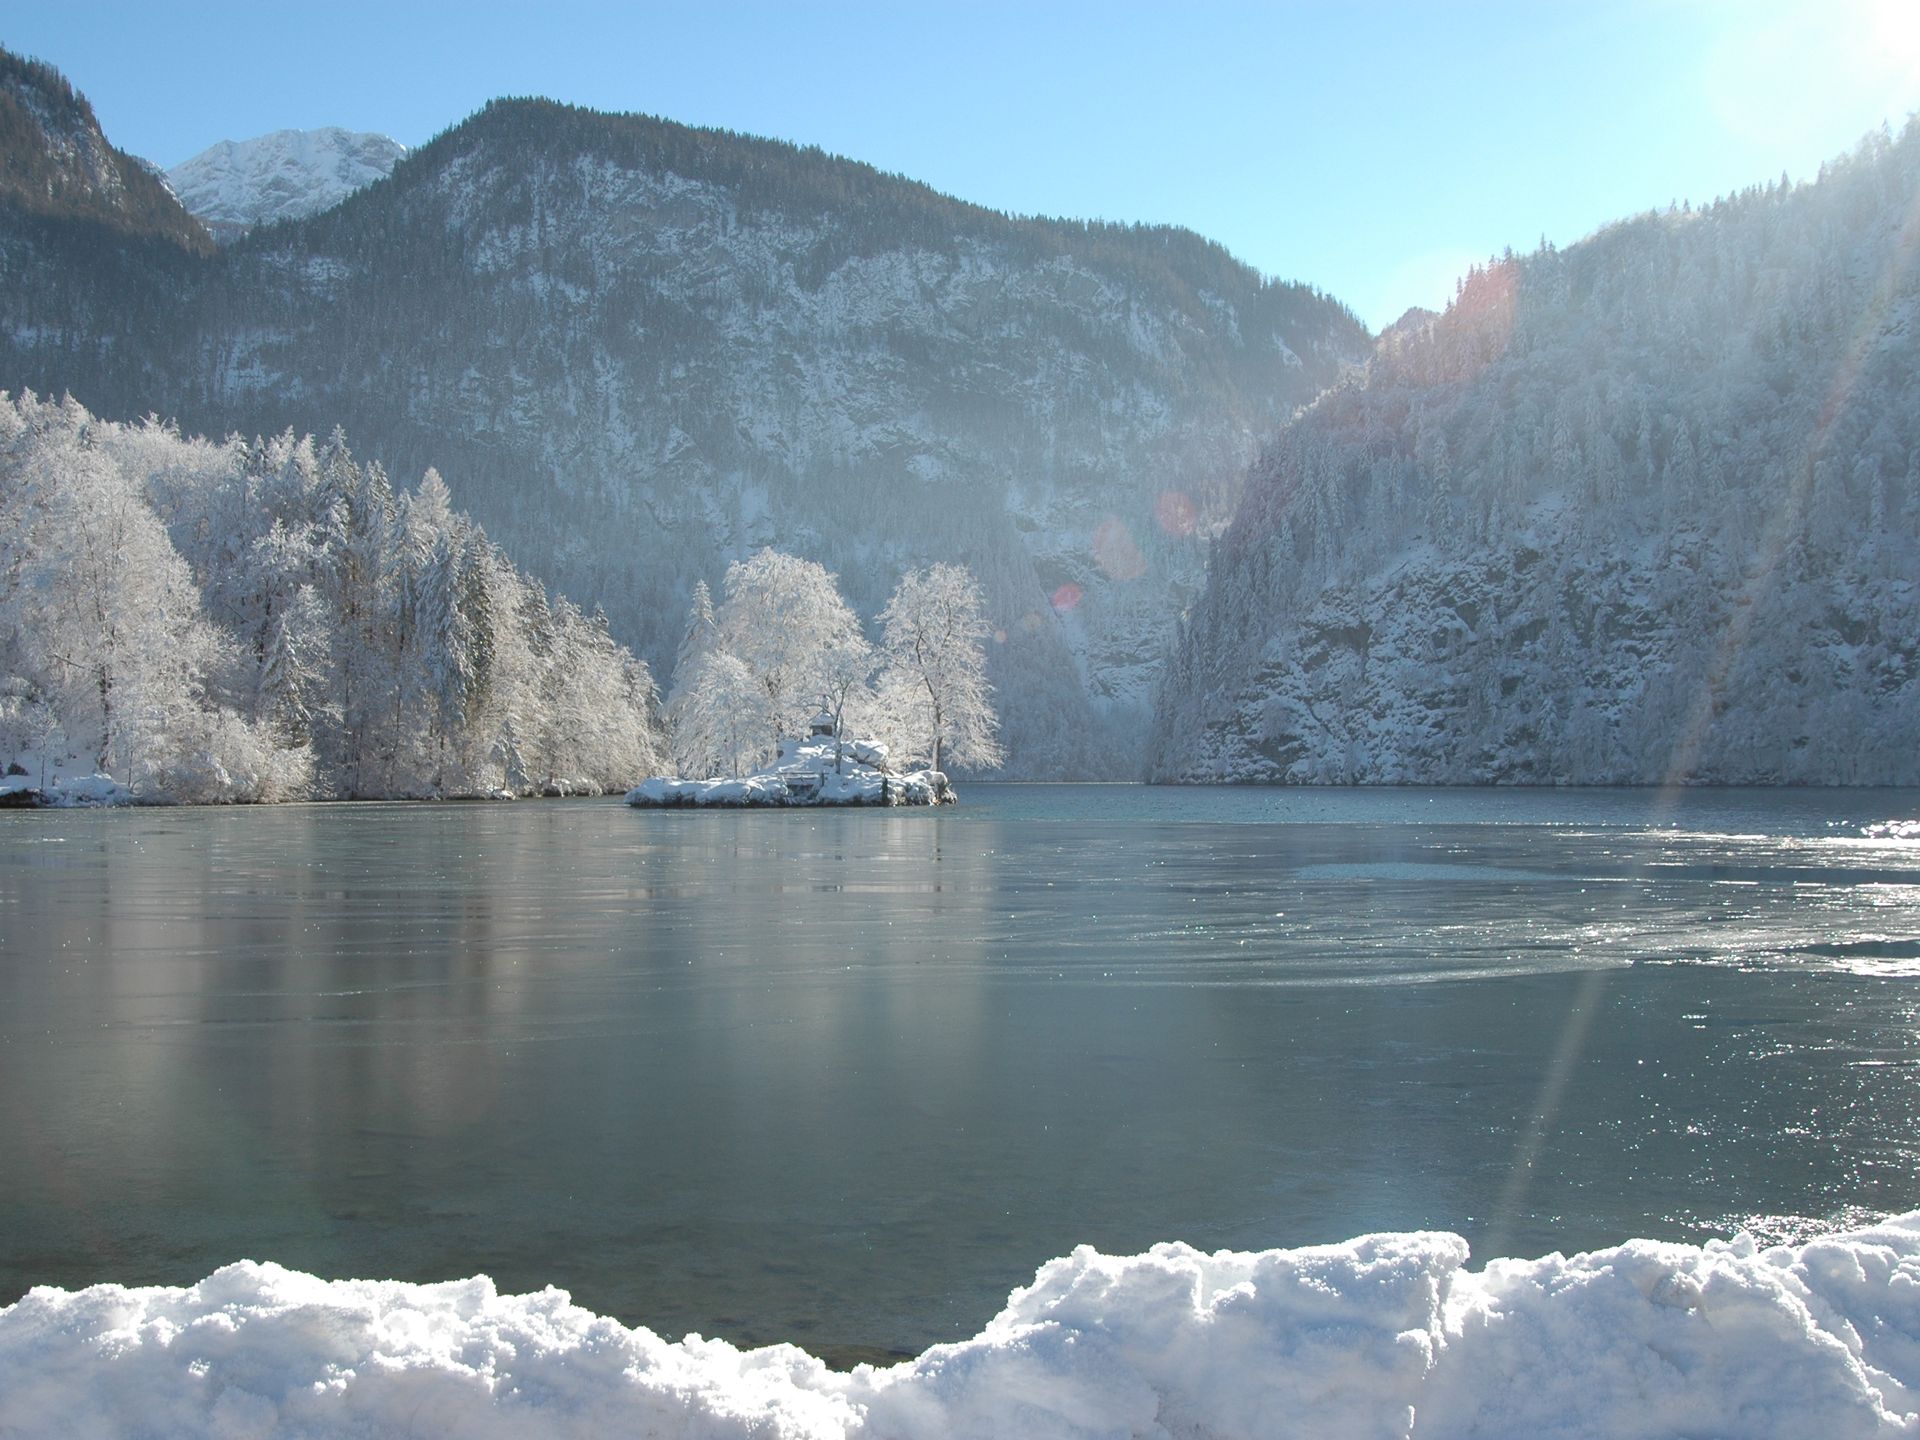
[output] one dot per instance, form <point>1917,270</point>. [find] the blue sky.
<point>1373,150</point>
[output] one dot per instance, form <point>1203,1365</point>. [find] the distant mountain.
<point>1643,510</point>
<point>639,351</point>
<point>55,165</point>
<point>288,175</point>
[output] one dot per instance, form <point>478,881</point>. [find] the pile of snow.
<point>563,787</point>
<point>1389,1335</point>
<point>814,771</point>
<point>235,185</point>
<point>73,790</point>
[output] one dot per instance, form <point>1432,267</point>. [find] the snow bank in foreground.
<point>1384,1336</point>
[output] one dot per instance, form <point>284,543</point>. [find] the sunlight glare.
<point>1822,73</point>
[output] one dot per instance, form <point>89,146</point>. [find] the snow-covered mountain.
<point>288,175</point>
<point>1644,510</point>
<point>640,351</point>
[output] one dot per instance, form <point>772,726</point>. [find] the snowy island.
<point>820,768</point>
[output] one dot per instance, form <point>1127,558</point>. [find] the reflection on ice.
<point>1413,870</point>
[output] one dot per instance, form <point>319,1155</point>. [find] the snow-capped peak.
<point>238,184</point>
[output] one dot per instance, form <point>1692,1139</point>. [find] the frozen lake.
<point>847,1077</point>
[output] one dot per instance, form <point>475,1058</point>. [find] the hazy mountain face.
<point>235,185</point>
<point>1647,509</point>
<point>639,351</point>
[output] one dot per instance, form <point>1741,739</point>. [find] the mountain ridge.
<point>56,165</point>
<point>640,351</point>
<point>1645,510</point>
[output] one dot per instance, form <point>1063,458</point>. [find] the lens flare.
<point>1067,598</point>
<point>1175,513</point>
<point>1786,74</point>
<point>1786,518</point>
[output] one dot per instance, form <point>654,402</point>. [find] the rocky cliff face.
<point>1646,510</point>
<point>639,351</point>
<point>288,175</point>
<point>1533,663</point>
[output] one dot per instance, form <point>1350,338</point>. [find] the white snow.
<point>72,791</point>
<point>813,771</point>
<point>1384,1336</point>
<point>235,185</point>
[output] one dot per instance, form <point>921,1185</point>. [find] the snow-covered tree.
<point>785,621</point>
<point>256,620</point>
<point>714,717</point>
<point>934,630</point>
<point>783,618</point>
<point>846,682</point>
<point>110,655</point>
<point>123,629</point>
<point>284,678</point>
<point>703,631</point>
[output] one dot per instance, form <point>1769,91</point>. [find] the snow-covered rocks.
<point>1386,1336</point>
<point>815,771</point>
<point>566,787</point>
<point>20,792</point>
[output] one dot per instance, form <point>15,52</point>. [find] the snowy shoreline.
<point>18,792</point>
<point>94,792</point>
<point>1385,1335</point>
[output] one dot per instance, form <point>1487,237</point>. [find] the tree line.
<point>270,619</point>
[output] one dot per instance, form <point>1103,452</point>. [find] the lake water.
<point>847,1077</point>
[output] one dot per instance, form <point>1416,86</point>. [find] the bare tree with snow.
<point>934,629</point>
<point>713,716</point>
<point>785,620</point>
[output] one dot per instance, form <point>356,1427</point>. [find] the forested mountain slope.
<point>1643,510</point>
<point>647,350</point>
<point>56,166</point>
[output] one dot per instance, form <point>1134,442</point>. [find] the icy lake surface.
<point>846,1078</point>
